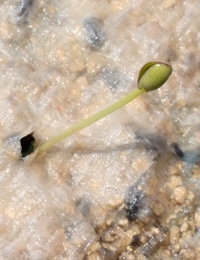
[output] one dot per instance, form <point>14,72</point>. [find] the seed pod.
<point>153,75</point>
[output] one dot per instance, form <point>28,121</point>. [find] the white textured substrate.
<point>60,62</point>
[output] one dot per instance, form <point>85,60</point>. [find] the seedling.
<point>152,76</point>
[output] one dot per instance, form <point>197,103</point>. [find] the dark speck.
<point>188,156</point>
<point>133,208</point>
<point>27,144</point>
<point>136,241</point>
<point>178,150</point>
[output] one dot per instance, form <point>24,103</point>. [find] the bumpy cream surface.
<point>61,61</point>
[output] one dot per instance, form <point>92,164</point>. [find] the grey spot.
<point>94,34</point>
<point>110,77</point>
<point>84,206</point>
<point>24,7</point>
<point>23,10</point>
<point>135,202</point>
<point>154,142</point>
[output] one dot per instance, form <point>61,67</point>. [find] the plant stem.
<point>90,120</point>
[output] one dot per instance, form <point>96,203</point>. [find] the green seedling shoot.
<point>152,76</point>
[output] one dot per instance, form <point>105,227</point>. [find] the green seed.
<point>153,75</point>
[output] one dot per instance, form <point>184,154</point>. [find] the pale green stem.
<point>90,120</point>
